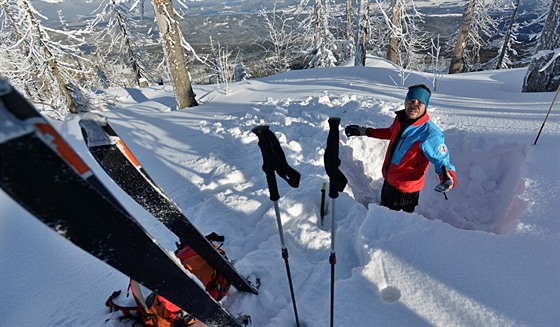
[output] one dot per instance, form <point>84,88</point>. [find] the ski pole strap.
<point>274,160</point>
<point>337,179</point>
<point>115,307</point>
<point>214,237</point>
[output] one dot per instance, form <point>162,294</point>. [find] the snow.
<point>488,256</point>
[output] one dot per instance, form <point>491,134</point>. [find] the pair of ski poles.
<point>274,161</point>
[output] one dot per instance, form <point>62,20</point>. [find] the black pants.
<point>397,200</point>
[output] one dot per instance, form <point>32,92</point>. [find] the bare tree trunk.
<point>51,62</point>
<point>318,24</point>
<point>326,13</point>
<point>349,29</point>
<point>457,59</point>
<point>393,46</point>
<point>543,73</point>
<point>508,35</point>
<point>171,37</point>
<point>362,33</point>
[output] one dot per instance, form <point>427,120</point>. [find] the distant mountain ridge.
<point>73,10</point>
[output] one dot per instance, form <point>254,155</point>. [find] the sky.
<point>487,256</point>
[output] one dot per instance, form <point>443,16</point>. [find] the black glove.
<point>355,130</point>
<point>447,178</point>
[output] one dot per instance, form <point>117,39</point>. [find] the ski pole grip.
<point>267,167</point>
<point>337,179</point>
<point>334,122</point>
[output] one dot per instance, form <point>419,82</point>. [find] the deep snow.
<point>488,256</point>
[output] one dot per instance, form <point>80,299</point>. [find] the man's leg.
<point>410,201</point>
<point>390,197</point>
<point>397,200</point>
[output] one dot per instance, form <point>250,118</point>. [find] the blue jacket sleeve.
<point>436,151</point>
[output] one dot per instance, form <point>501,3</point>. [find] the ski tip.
<point>93,116</point>
<point>254,283</point>
<point>251,288</point>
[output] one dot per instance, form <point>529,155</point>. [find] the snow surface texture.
<point>488,256</point>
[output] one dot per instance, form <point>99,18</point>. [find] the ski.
<point>41,172</point>
<point>120,164</point>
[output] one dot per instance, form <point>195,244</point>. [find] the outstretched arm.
<point>378,133</point>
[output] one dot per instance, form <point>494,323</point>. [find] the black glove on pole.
<point>274,161</point>
<point>337,182</point>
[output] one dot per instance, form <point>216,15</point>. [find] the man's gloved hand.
<point>355,130</point>
<point>447,180</point>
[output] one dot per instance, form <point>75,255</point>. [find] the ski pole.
<point>274,161</point>
<point>545,118</point>
<point>337,182</point>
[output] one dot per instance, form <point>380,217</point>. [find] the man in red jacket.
<point>414,142</point>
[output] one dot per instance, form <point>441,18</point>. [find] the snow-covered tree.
<point>220,66</point>
<point>343,27</point>
<point>510,38</point>
<point>118,42</point>
<point>42,61</point>
<point>240,73</point>
<point>437,62</point>
<point>407,40</point>
<point>322,54</point>
<point>534,21</point>
<point>281,39</point>
<point>174,54</point>
<point>476,30</point>
<point>543,74</point>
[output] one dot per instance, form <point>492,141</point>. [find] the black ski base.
<point>119,163</point>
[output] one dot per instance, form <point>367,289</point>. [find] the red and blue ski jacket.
<point>411,149</point>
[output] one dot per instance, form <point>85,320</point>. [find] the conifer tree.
<point>543,74</point>
<point>42,61</point>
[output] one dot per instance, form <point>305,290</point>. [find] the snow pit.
<point>490,176</point>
